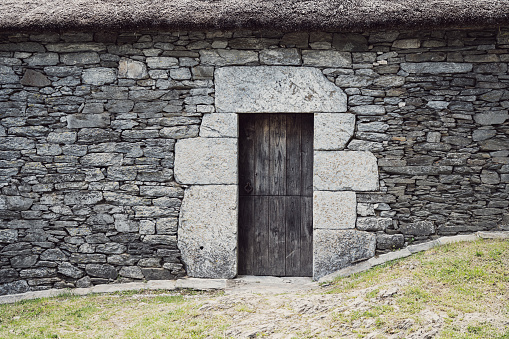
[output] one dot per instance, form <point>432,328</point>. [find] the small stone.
<point>35,79</point>
<point>161,62</point>
<point>368,110</point>
<point>326,58</point>
<point>490,177</point>
<point>219,125</point>
<point>69,270</point>
<point>483,134</point>
<point>99,76</point>
<point>132,69</point>
<point>42,59</point>
<point>436,67</point>
<point>101,271</point>
<point>54,254</point>
<point>280,56</point>
<point>419,228</point>
<point>491,118</point>
<point>23,261</point>
<point>389,241</point>
<point>224,57</point>
<point>373,224</point>
<point>84,282</point>
<point>133,272</point>
<point>80,59</point>
<point>180,74</point>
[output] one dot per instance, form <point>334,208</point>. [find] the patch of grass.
<point>451,280</point>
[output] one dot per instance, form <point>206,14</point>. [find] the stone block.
<point>407,43</point>
<point>162,62</point>
<point>206,161</point>
<point>276,89</point>
<point>80,59</point>
<point>332,131</point>
<point>326,58</point>
<point>34,79</point>
<point>179,132</point>
<point>8,236</point>
<point>23,261</point>
<point>53,254</point>
<point>337,249</point>
<point>491,118</point>
<point>69,270</point>
<point>334,210</point>
<point>436,67</point>
<point>99,76</point>
<point>389,241</point>
<point>132,69</point>
<point>368,110</point>
<point>207,233</point>
<point>42,59</point>
<point>102,159</point>
<point>101,271</point>
<point>20,286</point>
<point>345,171</point>
<point>373,224</point>
<point>224,57</point>
<point>82,198</point>
<point>133,272</point>
<point>219,125</point>
<point>419,228</point>
<point>280,56</point>
<point>88,120</point>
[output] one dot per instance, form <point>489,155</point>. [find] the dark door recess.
<point>276,194</point>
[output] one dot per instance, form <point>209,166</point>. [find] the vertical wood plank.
<point>262,155</point>
<point>307,155</point>
<point>293,154</point>
<point>246,154</point>
<point>293,236</point>
<point>306,236</point>
<point>276,236</point>
<point>260,238</point>
<point>277,154</point>
<point>246,229</point>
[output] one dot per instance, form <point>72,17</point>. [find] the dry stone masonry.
<point>118,151</point>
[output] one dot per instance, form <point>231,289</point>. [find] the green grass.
<point>453,280</point>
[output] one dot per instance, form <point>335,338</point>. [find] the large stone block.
<point>206,161</point>
<point>219,125</point>
<point>99,76</point>
<point>276,89</point>
<point>345,171</point>
<point>334,210</point>
<point>333,130</point>
<point>336,249</point>
<point>207,233</point>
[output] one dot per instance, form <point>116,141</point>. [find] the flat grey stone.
<point>206,161</point>
<point>436,67</point>
<point>483,134</point>
<point>280,56</point>
<point>491,118</point>
<point>332,131</point>
<point>132,69</point>
<point>102,159</point>
<point>373,224</point>
<point>407,43</point>
<point>35,79</point>
<point>334,210</point>
<point>162,62</point>
<point>337,249</point>
<point>101,271</point>
<point>133,272</point>
<point>88,120</point>
<point>276,89</point>
<point>42,59</point>
<point>23,261</point>
<point>99,76</point>
<point>345,171</point>
<point>219,125</point>
<point>389,241</point>
<point>419,228</point>
<point>368,110</point>
<point>85,58</point>
<point>69,270</point>
<point>326,58</point>
<point>207,234</point>
<point>82,198</point>
<point>224,57</point>
<point>389,81</point>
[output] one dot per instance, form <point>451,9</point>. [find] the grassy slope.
<point>466,284</point>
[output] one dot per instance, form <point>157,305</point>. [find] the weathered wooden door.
<point>276,194</point>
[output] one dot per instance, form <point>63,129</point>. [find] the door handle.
<point>248,187</point>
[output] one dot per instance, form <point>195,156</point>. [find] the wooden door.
<point>276,194</point>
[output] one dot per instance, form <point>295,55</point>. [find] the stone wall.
<point>89,122</point>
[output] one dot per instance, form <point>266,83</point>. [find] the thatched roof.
<point>285,15</point>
